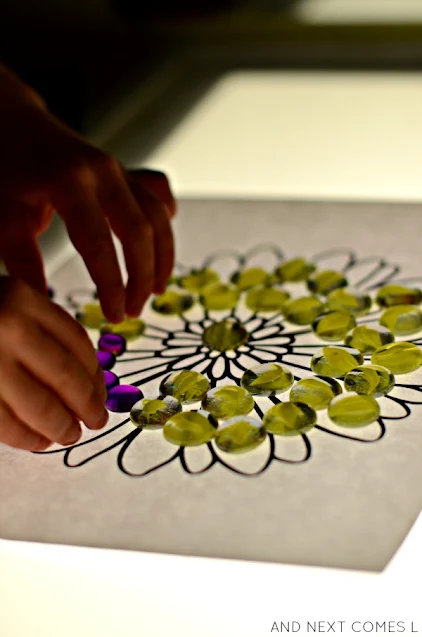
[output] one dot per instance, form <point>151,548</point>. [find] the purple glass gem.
<point>122,398</point>
<point>50,293</point>
<point>110,380</point>
<point>106,360</point>
<point>113,343</point>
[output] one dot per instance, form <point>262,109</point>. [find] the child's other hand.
<point>50,379</point>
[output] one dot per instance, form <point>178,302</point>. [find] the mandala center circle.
<point>225,335</point>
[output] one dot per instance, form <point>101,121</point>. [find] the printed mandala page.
<point>330,495</point>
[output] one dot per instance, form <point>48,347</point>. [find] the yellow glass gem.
<point>289,419</point>
<point>371,380</point>
<point>266,299</point>
<point>334,325</point>
<point>324,282</point>
<point>349,300</point>
<point>317,392</point>
<point>190,428</point>
<point>172,302</point>
<point>390,295</point>
<point>186,386</point>
<point>335,362</point>
<point>303,311</point>
<point>196,280</point>
<point>354,410</point>
<point>402,319</point>
<point>130,328</point>
<point>294,270</point>
<point>240,434</point>
<point>227,401</point>
<point>268,379</point>
<point>152,413</point>
<point>247,279</point>
<point>225,335</point>
<point>219,297</point>
<point>91,316</point>
<point>368,339</point>
<point>399,358</point>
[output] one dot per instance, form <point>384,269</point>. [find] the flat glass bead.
<point>266,299</point>
<point>370,380</point>
<point>354,410</point>
<point>186,386</point>
<point>316,392</point>
<point>113,343</point>
<point>399,358</point>
<point>122,398</point>
<point>228,401</point>
<point>110,379</point>
<point>390,295</point>
<point>197,280</point>
<point>324,282</point>
<point>294,270</point>
<point>240,434</point>
<point>129,329</point>
<point>303,311</point>
<point>91,316</point>
<point>290,419</point>
<point>268,379</point>
<point>334,325</point>
<point>106,360</point>
<point>402,319</point>
<point>225,335</point>
<point>171,303</point>
<point>368,339</point>
<point>152,413</point>
<point>353,301</point>
<point>219,297</point>
<point>335,362</point>
<point>247,279</point>
<point>190,428</point>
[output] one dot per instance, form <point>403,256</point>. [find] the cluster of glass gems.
<point>190,412</point>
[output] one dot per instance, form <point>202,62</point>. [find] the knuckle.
<point>45,408</point>
<point>100,247</point>
<point>80,172</point>
<point>110,164</point>
<point>19,335</point>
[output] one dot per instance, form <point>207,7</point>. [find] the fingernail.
<point>118,316</point>
<point>161,287</point>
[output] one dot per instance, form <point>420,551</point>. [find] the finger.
<point>157,184</point>
<point>73,337</point>
<point>39,408</point>
<point>135,233</point>
<point>56,321</point>
<point>16,434</point>
<point>163,235</point>
<point>19,249</point>
<point>61,372</point>
<point>90,234</point>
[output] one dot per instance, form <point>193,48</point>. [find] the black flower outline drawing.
<point>270,339</point>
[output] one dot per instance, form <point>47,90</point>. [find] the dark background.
<point>83,56</point>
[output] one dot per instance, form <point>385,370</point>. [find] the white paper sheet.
<point>350,504</point>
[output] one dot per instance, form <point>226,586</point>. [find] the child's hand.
<point>44,166</point>
<point>49,374</point>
